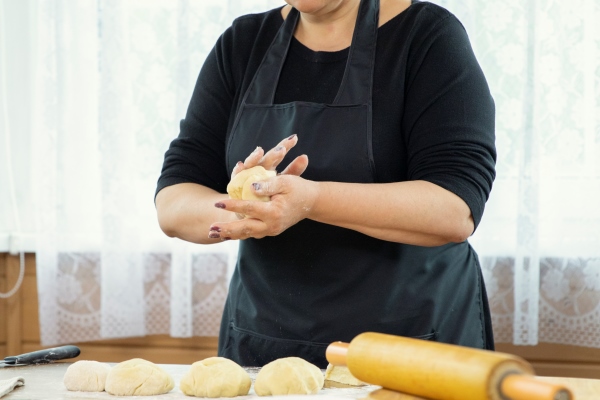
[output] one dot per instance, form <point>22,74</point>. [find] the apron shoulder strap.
<point>356,86</point>
<point>357,83</point>
<point>270,67</point>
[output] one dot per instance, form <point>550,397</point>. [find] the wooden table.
<point>582,389</point>
<point>46,382</point>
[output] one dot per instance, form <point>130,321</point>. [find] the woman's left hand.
<point>292,199</point>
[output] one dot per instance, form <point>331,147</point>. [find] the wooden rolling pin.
<point>441,371</point>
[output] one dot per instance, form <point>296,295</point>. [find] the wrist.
<point>317,197</point>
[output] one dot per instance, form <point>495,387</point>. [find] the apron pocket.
<point>416,323</point>
<point>252,349</point>
<point>428,336</point>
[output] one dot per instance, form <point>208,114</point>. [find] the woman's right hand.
<point>272,159</point>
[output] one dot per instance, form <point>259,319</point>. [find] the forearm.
<point>413,212</point>
<point>187,210</point>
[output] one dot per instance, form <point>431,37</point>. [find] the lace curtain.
<point>539,241</point>
<point>112,78</point>
<point>112,81</point>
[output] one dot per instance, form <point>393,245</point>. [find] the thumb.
<point>265,188</point>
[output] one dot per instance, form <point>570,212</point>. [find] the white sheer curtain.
<point>540,237</point>
<point>110,80</point>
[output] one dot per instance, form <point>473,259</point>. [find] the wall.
<point>19,333</point>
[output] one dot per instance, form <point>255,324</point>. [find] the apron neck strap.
<point>357,83</point>
<point>356,86</point>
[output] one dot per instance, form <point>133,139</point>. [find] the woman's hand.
<point>273,158</point>
<point>412,212</point>
<point>292,199</point>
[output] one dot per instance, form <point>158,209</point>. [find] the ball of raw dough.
<point>215,377</point>
<point>138,377</point>
<point>291,375</point>
<point>240,186</point>
<point>86,376</point>
<point>341,374</point>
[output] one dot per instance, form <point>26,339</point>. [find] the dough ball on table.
<point>215,377</point>
<point>340,374</point>
<point>86,376</point>
<point>291,375</point>
<point>240,187</point>
<point>138,377</point>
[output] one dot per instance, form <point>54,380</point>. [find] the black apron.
<point>295,293</point>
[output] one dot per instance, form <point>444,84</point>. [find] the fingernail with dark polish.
<point>227,238</point>
<point>215,228</point>
<point>214,235</point>
<point>291,137</point>
<point>256,186</point>
<point>279,148</point>
<point>219,205</point>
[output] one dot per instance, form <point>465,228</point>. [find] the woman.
<point>388,122</point>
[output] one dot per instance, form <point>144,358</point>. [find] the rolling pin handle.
<point>525,387</point>
<point>336,353</point>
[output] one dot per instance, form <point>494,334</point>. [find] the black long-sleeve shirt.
<point>433,114</point>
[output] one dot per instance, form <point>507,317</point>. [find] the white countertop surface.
<point>46,382</point>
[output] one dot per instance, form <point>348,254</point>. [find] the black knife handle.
<point>45,356</point>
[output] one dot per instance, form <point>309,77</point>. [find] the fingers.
<point>296,167</point>
<point>242,207</point>
<point>237,169</point>
<point>251,226</point>
<point>271,159</point>
<point>274,156</point>
<point>238,230</point>
<point>241,229</point>
<point>254,157</point>
<point>291,197</point>
<point>250,161</point>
